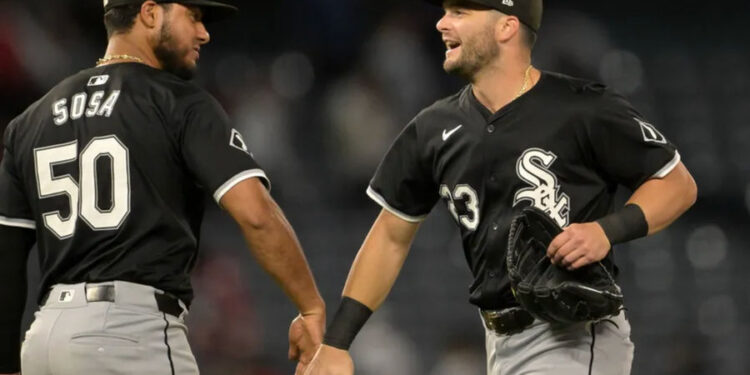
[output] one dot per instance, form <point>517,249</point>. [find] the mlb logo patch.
<point>98,80</point>
<point>66,295</point>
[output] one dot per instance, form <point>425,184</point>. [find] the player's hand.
<point>579,245</point>
<point>305,336</point>
<point>331,361</point>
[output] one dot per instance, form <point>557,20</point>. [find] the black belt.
<point>508,321</point>
<point>165,302</point>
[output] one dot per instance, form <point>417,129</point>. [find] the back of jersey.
<point>110,167</point>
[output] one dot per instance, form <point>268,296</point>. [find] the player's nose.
<point>442,23</point>
<point>203,35</point>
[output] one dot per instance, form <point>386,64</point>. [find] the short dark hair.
<point>528,36</point>
<point>121,19</point>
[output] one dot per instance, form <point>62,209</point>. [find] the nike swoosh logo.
<point>448,134</point>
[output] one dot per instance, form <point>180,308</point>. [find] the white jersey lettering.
<point>533,168</point>
<point>82,104</point>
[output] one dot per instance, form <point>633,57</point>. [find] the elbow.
<point>682,183</point>
<point>251,206</point>
<point>257,216</point>
<point>254,223</point>
<point>691,192</point>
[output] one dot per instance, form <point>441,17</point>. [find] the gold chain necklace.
<point>106,59</point>
<point>525,82</point>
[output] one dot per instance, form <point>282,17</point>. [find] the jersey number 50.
<point>83,199</point>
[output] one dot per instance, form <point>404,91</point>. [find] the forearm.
<point>273,243</point>
<point>652,207</point>
<point>276,248</point>
<point>16,243</point>
<point>664,200</point>
<point>371,277</point>
<point>379,260</point>
<point>374,272</point>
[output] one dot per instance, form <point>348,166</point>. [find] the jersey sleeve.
<point>14,205</point>
<point>627,148</point>
<point>403,182</point>
<point>214,152</point>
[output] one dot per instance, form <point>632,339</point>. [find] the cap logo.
<point>505,2</point>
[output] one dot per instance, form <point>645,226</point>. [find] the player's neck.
<point>123,45</point>
<point>497,85</point>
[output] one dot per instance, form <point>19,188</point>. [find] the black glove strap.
<point>624,225</point>
<point>349,319</point>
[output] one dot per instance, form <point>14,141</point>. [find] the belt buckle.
<point>99,293</point>
<point>507,321</point>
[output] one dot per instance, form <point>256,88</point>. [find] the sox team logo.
<point>533,168</point>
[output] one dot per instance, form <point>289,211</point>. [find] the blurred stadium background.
<point>319,88</point>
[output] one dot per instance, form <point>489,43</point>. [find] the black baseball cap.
<point>528,11</point>
<point>212,10</point>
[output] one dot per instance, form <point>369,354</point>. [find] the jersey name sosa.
<point>83,105</point>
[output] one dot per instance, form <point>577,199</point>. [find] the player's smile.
<point>451,47</point>
<point>467,32</point>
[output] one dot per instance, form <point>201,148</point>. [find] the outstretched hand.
<point>305,336</point>
<point>331,361</point>
<point>579,245</point>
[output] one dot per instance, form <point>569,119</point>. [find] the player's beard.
<point>476,53</point>
<point>171,57</point>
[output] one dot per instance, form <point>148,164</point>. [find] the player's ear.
<point>151,14</point>
<point>506,28</point>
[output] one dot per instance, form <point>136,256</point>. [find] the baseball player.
<point>107,174</point>
<point>515,137</point>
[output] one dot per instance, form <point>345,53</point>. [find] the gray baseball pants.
<point>71,336</point>
<point>590,348</point>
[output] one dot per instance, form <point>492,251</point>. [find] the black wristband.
<point>349,319</point>
<point>624,225</point>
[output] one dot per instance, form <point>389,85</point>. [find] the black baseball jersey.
<point>563,147</point>
<point>110,167</point>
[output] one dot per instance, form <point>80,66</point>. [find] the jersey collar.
<point>472,102</point>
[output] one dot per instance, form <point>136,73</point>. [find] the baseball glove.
<point>549,292</point>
